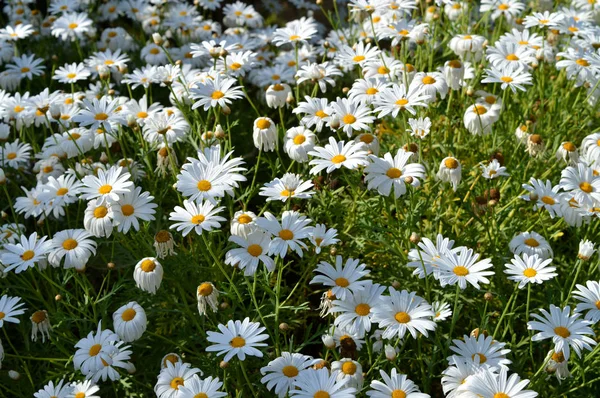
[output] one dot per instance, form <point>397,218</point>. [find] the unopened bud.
<point>58,297</point>
<point>223,53</point>
<point>284,327</point>
<point>131,122</point>
<point>223,365</point>
<point>488,296</point>
<point>103,72</point>
<point>224,305</point>
<point>408,179</point>
<point>157,38</point>
<point>390,352</point>
<point>55,111</point>
<point>104,157</point>
<point>290,99</point>
<point>396,285</point>
<point>328,341</point>
<point>110,265</point>
<point>225,110</point>
<point>333,250</point>
<point>415,238</point>
<point>13,374</point>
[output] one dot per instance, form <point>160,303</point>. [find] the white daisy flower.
<point>75,246</point>
<point>288,187</point>
<point>237,339</point>
<point>321,237</point>
<point>319,383</point>
<point>531,243</point>
<point>394,385</point>
<point>173,377</point>
<point>10,308</point>
<point>529,269</point>
<point>148,274</point>
<point>390,172</point>
<point>337,154</point>
<point>480,351</point>
<point>281,373</point>
<point>589,299</point>
<point>196,216</point>
<point>343,279</point>
<point>357,309</point>
<point>461,266</point>
<point>196,387</point>
<point>130,322</point>
<point>107,186</point>
<point>254,248</point>
<point>25,254</point>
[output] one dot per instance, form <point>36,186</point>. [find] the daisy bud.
<point>408,179</point>
<point>470,91</point>
<point>396,285</point>
<point>223,365</point>
<point>219,133</point>
<point>586,250</point>
<point>326,44</point>
<point>104,157</point>
<point>390,352</point>
<point>103,72</point>
<point>492,203</point>
<point>223,53</point>
<point>345,90</point>
<point>13,374</point>
<point>284,327</point>
<point>290,100</point>
<point>334,122</point>
<point>265,134</point>
<point>157,38</point>
<point>122,69</point>
<point>58,297</point>
<point>533,197</point>
<point>2,177</point>
<point>55,111</point>
<point>415,238</point>
<point>179,62</point>
<point>319,2</point>
<point>226,110</point>
<point>328,341</point>
<point>488,296</point>
<point>4,215</point>
<point>131,121</point>
<point>214,52</point>
<point>224,305</point>
<point>333,251</point>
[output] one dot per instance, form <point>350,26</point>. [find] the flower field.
<point>311,199</point>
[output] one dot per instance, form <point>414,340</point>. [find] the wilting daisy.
<point>480,350</point>
<point>337,154</point>
<point>207,295</point>
<point>387,172</point>
<point>237,339</point>
<point>281,373</point>
<point>173,377</point>
<point>130,322</point>
<point>401,312</point>
<point>394,385</point>
<point>461,266</point>
<point>531,243</point>
<point>566,330</point>
<point>25,254</point>
<point>450,171</point>
<point>343,279</point>
<point>298,142</point>
<point>74,245</point>
<point>10,308</point>
<point>40,323</point>
<point>529,269</point>
<point>287,187</point>
<point>319,383</point>
<point>254,248</point>
<point>148,274</point>
<point>196,216</point>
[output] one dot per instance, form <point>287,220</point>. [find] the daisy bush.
<point>313,199</point>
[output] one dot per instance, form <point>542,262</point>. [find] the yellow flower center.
<point>349,368</point>
<point>372,91</point>
<point>127,210</point>
<point>460,271</point>
<point>338,159</point>
<point>548,200</point>
<point>349,119</point>
<point>287,194</point>
<point>201,395</point>
<point>154,51</point>
<point>237,342</point>
<point>586,187</point>
<point>263,124</point>
<point>38,317</point>
<point>321,394</point>
<point>286,234</point>
<point>582,62</point>
<point>428,80</point>
<point>244,219</point>
<point>503,7</point>
<point>101,116</point>
<point>451,163</point>
<point>294,37</point>
<point>506,79</point>
<point>11,156</point>
<point>358,58</point>
<point>128,314</point>
<point>530,272</point>
<point>393,173</point>
<point>562,331</point>
<point>204,185</point>
<point>255,250</point>
<point>176,383</point>
<point>299,139</point>
<point>558,357</point>
<point>402,102</point>
<point>69,244</point>
<point>531,242</point>
<point>205,289</point>
<point>94,350</point>
<point>80,395</point>
<point>217,95</point>
<point>25,69</point>
<point>482,358</point>
<point>104,189</point>
<point>480,110</point>
<point>148,265</point>
<point>61,191</point>
<point>321,114</point>
<point>198,219</point>
<point>18,109</point>
<point>402,317</point>
<point>398,394</point>
<point>73,25</point>
<point>142,115</point>
<point>362,309</point>
<point>290,371</point>
<point>382,70</point>
<point>342,282</point>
